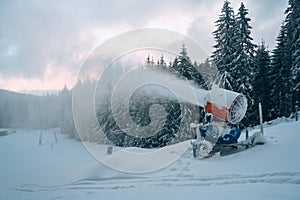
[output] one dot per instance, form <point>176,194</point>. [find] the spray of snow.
<point>160,83</point>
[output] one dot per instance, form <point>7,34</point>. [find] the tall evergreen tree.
<point>261,86</point>
<point>234,54</point>
<point>242,71</point>
<point>293,41</point>
<point>184,62</point>
<point>224,48</point>
<point>183,65</point>
<point>148,61</point>
<point>162,61</point>
<point>244,55</point>
<point>280,74</point>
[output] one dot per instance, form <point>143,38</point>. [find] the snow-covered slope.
<point>65,170</point>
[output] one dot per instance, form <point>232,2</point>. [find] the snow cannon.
<point>213,137</point>
<point>225,105</point>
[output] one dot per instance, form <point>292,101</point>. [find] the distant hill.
<point>11,94</point>
<point>39,92</point>
<point>19,110</point>
<point>27,110</point>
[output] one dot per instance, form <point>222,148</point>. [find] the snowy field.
<point>65,170</point>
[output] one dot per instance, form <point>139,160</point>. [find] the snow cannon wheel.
<point>203,150</point>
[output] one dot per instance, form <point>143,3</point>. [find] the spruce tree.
<point>183,65</point>
<point>148,61</point>
<point>243,63</point>
<point>293,40</point>
<point>280,75</point>
<point>162,61</point>
<point>224,47</point>
<point>234,54</point>
<point>244,55</point>
<point>184,62</point>
<point>261,86</point>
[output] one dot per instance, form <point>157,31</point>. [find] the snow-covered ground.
<point>65,170</point>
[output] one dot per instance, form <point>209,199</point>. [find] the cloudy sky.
<point>43,43</point>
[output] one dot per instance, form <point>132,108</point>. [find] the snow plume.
<point>161,83</point>
<point>145,107</point>
<point>153,91</point>
<point>150,105</point>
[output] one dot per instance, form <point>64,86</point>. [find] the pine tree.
<point>66,121</point>
<point>209,72</point>
<point>244,55</point>
<point>148,61</point>
<point>170,64</point>
<point>244,30</point>
<point>224,53</point>
<point>286,63</point>
<point>280,75</point>
<point>261,86</point>
<point>293,36</point>
<point>243,63</point>
<point>183,65</point>
<point>162,61</point>
<point>152,61</point>
<point>234,54</point>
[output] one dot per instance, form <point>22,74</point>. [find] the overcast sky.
<point>43,43</point>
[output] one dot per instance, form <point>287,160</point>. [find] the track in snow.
<point>169,181</point>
